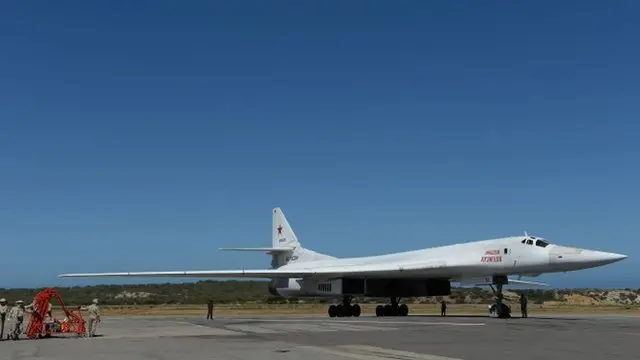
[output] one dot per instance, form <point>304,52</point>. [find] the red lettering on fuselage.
<point>491,259</point>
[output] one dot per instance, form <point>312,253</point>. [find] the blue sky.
<point>145,135</point>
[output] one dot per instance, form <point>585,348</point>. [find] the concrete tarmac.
<point>323,338</point>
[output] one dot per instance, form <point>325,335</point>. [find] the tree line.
<point>241,292</point>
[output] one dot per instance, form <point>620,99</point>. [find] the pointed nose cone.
<point>601,258</point>
<point>569,258</point>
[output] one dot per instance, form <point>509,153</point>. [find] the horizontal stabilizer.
<point>275,250</point>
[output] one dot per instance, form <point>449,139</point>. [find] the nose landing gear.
<point>499,309</point>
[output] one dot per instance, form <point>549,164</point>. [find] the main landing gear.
<point>346,309</point>
<point>393,309</point>
<point>499,309</point>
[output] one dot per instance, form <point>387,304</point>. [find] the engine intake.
<point>272,287</point>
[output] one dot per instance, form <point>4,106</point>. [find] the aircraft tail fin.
<point>283,235</point>
<point>285,247</point>
<point>283,239</point>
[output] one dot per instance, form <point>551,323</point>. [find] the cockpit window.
<point>541,243</point>
<point>529,242</point>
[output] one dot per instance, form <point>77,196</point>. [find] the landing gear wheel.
<point>344,309</point>
<point>388,310</point>
<point>333,311</point>
<point>403,310</point>
<point>502,310</point>
<point>393,309</point>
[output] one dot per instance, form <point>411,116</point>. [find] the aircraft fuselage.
<point>480,262</point>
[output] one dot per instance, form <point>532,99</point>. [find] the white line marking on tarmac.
<point>354,327</point>
<point>364,322</point>
<point>390,353</point>
<point>192,324</point>
<point>251,329</point>
<point>365,352</point>
<point>274,327</point>
<point>320,328</point>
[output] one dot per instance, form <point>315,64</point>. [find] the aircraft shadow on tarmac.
<point>419,316</point>
<point>448,316</point>
<point>64,337</point>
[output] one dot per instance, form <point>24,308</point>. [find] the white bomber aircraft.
<point>301,272</point>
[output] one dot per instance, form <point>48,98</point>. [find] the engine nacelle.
<point>386,287</point>
<point>375,287</point>
<point>407,287</point>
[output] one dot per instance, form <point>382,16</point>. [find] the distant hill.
<point>256,292</point>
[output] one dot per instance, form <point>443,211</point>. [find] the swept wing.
<point>361,270</point>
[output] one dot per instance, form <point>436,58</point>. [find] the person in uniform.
<point>16,314</point>
<point>31,307</point>
<point>443,308</point>
<point>210,310</point>
<point>94,317</point>
<point>523,306</point>
<point>3,316</point>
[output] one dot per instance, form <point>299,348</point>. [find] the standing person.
<point>210,310</point>
<point>94,317</point>
<point>3,316</point>
<point>523,306</point>
<point>16,314</point>
<point>31,307</point>
<point>443,308</point>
